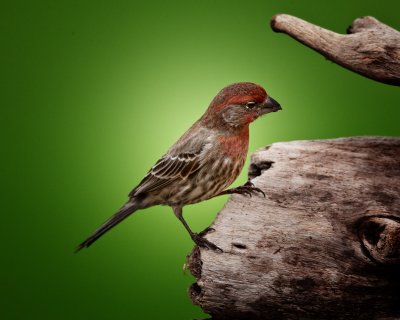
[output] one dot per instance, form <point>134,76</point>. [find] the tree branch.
<point>371,48</point>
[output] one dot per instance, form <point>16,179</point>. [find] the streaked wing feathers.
<point>167,170</point>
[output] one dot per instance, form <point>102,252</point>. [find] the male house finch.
<point>203,162</point>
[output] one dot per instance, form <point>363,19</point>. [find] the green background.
<point>93,92</point>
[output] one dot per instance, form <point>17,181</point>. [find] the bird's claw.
<point>201,242</point>
<point>259,191</point>
<point>248,189</point>
<point>254,188</point>
<point>243,190</point>
<point>206,231</point>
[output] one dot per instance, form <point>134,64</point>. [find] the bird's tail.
<point>124,212</point>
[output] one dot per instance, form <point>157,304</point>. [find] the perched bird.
<point>203,162</point>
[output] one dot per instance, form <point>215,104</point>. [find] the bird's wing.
<point>185,157</point>
<point>169,169</point>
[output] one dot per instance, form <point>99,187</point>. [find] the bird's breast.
<point>235,145</point>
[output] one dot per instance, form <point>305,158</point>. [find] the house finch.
<point>203,162</point>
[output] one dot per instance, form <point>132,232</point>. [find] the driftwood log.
<point>371,48</point>
<point>323,244</point>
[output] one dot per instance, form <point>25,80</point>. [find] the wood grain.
<point>323,244</point>
<point>370,48</point>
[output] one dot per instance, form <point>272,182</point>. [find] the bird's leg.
<point>248,188</point>
<point>196,237</point>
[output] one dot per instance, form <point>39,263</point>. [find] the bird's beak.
<point>270,105</point>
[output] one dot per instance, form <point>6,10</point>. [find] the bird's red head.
<point>239,104</point>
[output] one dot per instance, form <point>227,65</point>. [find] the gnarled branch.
<point>371,48</point>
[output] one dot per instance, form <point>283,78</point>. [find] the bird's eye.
<point>250,104</point>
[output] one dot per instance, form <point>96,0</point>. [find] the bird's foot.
<point>248,188</point>
<point>206,231</point>
<point>201,242</point>
<point>253,188</point>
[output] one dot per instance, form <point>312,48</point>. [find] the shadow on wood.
<point>323,244</point>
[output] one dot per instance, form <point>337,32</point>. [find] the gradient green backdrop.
<point>93,92</point>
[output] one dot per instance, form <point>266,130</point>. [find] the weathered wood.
<point>323,244</point>
<point>371,48</point>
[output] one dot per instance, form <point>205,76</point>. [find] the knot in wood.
<point>380,237</point>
